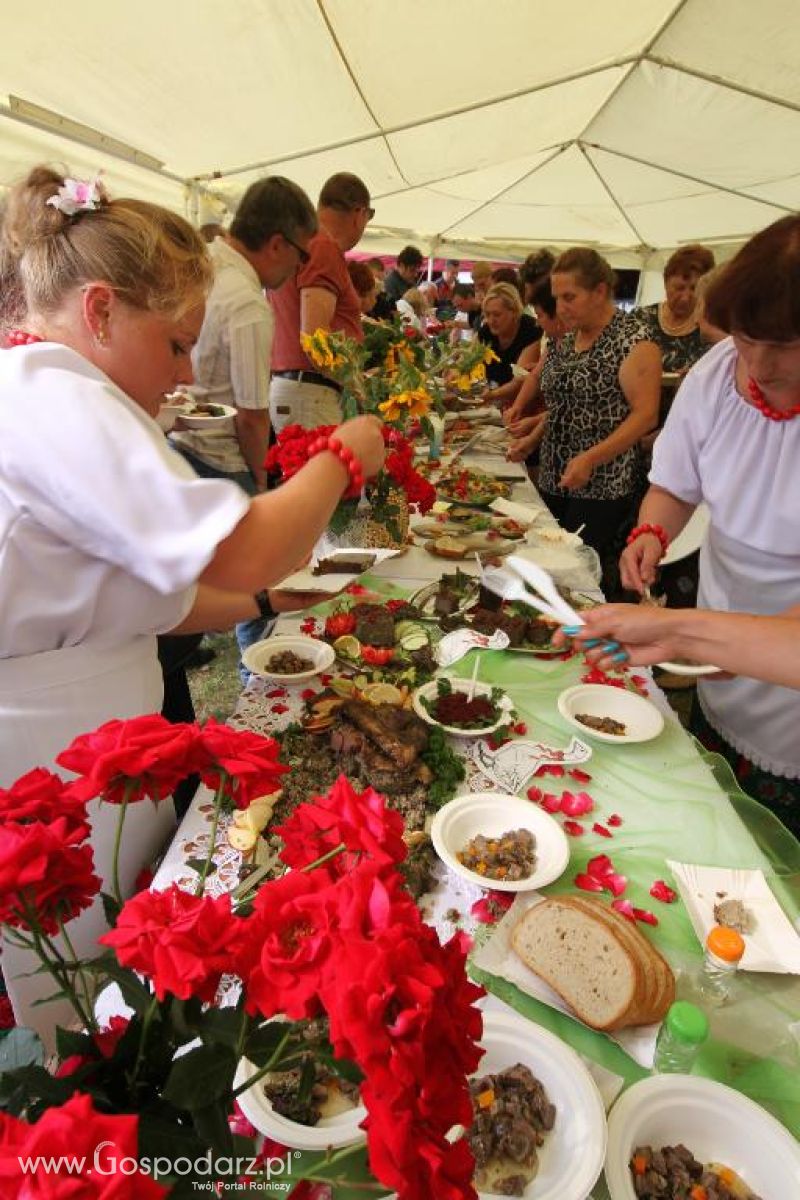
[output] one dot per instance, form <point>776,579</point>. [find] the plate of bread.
<point>576,954</point>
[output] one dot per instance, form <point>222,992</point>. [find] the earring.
<point>101,336</point>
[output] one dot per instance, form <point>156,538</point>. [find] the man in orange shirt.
<point>320,296</point>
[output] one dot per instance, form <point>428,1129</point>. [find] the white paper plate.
<point>424,599</point>
<point>333,1132</point>
<point>689,668</point>
<point>492,814</point>
<point>168,414</point>
<point>773,945</point>
<point>306,581</point>
<point>201,422</point>
<point>257,656</point>
<point>571,1159</point>
<point>428,690</point>
<point>641,719</point>
<point>713,1121</point>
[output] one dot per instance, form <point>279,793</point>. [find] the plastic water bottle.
<point>724,950</point>
<point>437,438</point>
<point>683,1032</point>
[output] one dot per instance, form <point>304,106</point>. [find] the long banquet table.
<point>676,802</point>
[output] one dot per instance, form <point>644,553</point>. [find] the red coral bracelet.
<point>657,530</point>
<point>346,457</point>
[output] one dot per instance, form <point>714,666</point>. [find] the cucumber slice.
<point>414,640</point>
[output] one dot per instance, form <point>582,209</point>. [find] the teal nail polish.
<point>570,630</point>
<point>621,657</point>
<point>590,645</point>
<point>611,646</point>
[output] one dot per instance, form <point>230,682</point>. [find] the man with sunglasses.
<point>319,296</point>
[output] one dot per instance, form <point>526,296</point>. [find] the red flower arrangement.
<point>338,935</point>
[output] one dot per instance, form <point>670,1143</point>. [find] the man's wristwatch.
<point>264,607</point>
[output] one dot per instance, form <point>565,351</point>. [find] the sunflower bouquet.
<point>398,375</point>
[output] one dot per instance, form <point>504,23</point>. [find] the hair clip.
<point>77,195</point>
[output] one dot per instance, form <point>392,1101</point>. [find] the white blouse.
<point>104,529</point>
<point>717,448</point>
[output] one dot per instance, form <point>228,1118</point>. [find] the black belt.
<point>309,377</point>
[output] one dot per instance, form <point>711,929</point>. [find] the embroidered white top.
<point>104,529</point>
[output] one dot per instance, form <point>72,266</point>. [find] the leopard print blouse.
<point>585,404</point>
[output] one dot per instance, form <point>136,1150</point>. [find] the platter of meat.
<point>539,1126</point>
<point>456,602</point>
<point>668,1130</point>
<point>388,642</point>
<point>474,488</point>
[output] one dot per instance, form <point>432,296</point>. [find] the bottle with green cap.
<point>683,1032</point>
<point>724,950</point>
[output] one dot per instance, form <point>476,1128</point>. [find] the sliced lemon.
<point>342,686</point>
<point>382,693</point>
<point>348,646</point>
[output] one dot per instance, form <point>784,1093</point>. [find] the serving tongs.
<point>517,577</point>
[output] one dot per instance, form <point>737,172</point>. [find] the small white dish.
<point>774,944</point>
<point>198,421</point>
<point>689,669</point>
<point>258,656</point>
<point>330,1132</point>
<point>714,1122</point>
<point>168,414</point>
<point>493,814</point>
<point>429,690</point>
<point>571,1159</point>
<point>641,719</point>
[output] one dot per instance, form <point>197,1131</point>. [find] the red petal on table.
<point>641,681</point>
<point>490,908</point>
<point>579,775</point>
<point>551,802</point>
<point>520,727</point>
<point>325,679</point>
<point>279,708</point>
<point>601,830</point>
<point>647,918</point>
<point>614,820</point>
<point>600,866</point>
<point>625,908</point>
<point>535,794</point>
<point>615,883</point>
<point>576,805</point>
<point>355,589</point>
<point>308,693</point>
<point>551,769</point>
<point>276,692</point>
<point>663,892</point>
<point>588,883</point>
<point>573,828</point>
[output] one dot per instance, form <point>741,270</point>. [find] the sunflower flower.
<point>410,404</point>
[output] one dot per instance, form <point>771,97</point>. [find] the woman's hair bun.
<point>28,217</point>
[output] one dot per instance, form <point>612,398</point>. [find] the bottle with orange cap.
<point>724,950</point>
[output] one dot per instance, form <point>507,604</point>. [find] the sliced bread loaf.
<point>583,959</point>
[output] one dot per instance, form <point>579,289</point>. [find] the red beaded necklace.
<point>18,337</point>
<point>763,405</point>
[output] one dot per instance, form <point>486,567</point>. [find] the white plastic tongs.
<point>510,580</point>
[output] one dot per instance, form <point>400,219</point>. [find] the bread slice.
<point>584,959</point>
<point>659,981</point>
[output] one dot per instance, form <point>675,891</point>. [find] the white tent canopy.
<point>480,129</point>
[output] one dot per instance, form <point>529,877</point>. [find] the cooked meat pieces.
<point>486,621</point>
<point>512,1114</point>
<point>374,625</point>
<point>400,734</point>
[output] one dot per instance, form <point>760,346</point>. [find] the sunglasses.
<point>302,254</point>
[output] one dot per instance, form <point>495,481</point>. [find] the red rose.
<point>41,867</point>
<point>90,1156</point>
<point>288,944</point>
<point>145,756</point>
<point>245,764</point>
<point>183,943</point>
<point>6,1013</point>
<point>359,820</point>
<point>42,796</point>
<point>105,1040</point>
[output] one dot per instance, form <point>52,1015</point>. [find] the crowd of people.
<point>110,304</point>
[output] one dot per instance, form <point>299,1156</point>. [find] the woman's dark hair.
<point>758,291</point>
<point>688,261</point>
<point>269,206</point>
<point>507,275</point>
<point>543,298</point>
<point>589,268</point>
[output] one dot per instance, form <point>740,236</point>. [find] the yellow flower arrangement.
<point>416,403</point>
